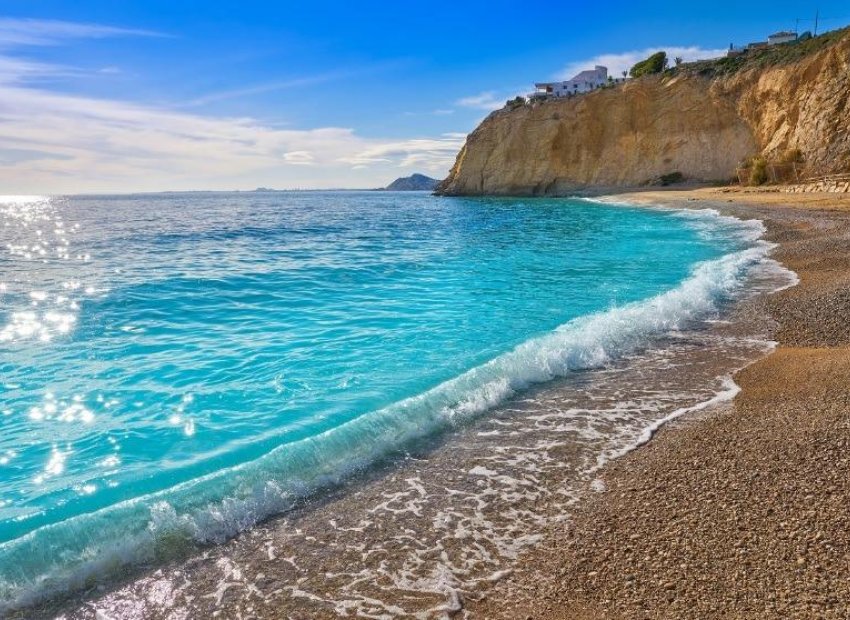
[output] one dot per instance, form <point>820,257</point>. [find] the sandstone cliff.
<point>700,121</point>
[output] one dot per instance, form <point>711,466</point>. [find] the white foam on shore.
<point>728,391</point>
<point>780,278</point>
<point>67,555</point>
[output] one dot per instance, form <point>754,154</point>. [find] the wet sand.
<point>743,511</point>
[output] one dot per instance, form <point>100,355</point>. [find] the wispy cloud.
<point>88,144</point>
<point>429,153</point>
<point>19,70</point>
<point>296,82</point>
<point>23,33</point>
<point>483,101</point>
<point>257,89</point>
<point>623,61</point>
<point>55,142</point>
<point>26,32</point>
<point>299,158</point>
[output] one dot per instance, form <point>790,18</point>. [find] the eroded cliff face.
<point>804,105</point>
<point>699,127</point>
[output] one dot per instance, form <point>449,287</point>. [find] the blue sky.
<point>155,95</point>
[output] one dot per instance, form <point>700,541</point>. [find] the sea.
<point>362,404</point>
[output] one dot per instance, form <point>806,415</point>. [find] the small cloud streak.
<point>435,154</point>
<point>296,82</point>
<point>18,70</point>
<point>483,101</point>
<point>299,158</point>
<point>617,63</point>
<point>34,32</point>
<point>258,89</point>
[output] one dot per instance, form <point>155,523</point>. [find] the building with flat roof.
<point>786,36</point>
<point>581,83</point>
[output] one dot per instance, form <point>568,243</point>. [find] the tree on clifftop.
<point>654,64</point>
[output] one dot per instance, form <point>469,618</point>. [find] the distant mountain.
<point>413,183</point>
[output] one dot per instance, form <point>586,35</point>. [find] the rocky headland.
<point>698,122</point>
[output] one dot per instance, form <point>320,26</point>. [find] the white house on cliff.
<point>581,83</point>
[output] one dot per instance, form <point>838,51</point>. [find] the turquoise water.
<point>183,365</point>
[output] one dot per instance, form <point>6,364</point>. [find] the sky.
<point>159,95</point>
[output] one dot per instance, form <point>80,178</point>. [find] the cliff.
<point>699,121</point>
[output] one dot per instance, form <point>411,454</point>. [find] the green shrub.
<point>767,57</point>
<point>758,171</point>
<point>516,102</point>
<point>654,64</point>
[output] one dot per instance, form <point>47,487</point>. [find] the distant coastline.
<point>413,183</point>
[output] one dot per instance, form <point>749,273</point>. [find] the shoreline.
<point>537,489</point>
<point>743,510</point>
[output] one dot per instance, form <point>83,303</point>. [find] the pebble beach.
<point>740,511</point>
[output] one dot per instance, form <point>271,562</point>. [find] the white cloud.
<point>88,144</point>
<point>60,143</point>
<point>18,70</point>
<point>431,153</point>
<point>484,101</point>
<point>617,63</point>
<point>299,158</point>
<point>19,32</point>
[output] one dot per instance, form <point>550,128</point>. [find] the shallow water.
<point>177,367</point>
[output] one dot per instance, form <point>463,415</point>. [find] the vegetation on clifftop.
<point>772,115</point>
<point>654,64</point>
<point>782,54</point>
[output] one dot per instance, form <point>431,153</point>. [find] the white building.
<point>581,83</point>
<point>781,37</point>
